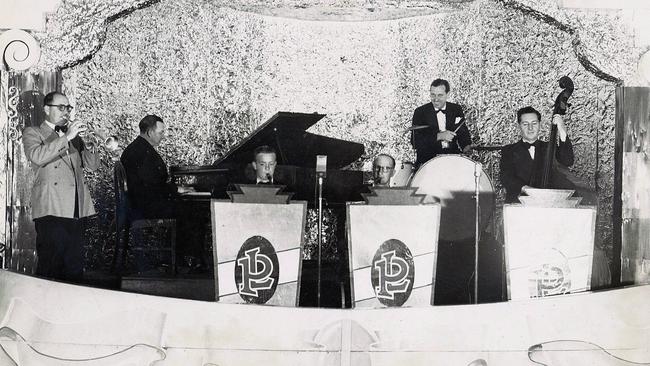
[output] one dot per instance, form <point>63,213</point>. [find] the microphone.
<point>269,178</point>
<point>321,166</point>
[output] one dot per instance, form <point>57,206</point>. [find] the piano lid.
<point>285,132</point>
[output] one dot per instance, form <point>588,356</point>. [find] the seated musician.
<point>446,131</point>
<point>518,165</point>
<point>261,170</point>
<point>264,163</point>
<point>151,194</point>
<point>383,169</point>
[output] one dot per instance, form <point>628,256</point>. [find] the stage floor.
<point>66,321</point>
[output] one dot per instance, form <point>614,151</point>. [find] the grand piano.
<point>296,153</point>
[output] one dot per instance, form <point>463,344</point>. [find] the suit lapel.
<point>49,135</point>
<point>522,153</point>
<point>431,117</point>
<point>449,118</point>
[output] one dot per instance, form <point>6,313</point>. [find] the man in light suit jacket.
<point>60,197</point>
<point>444,129</point>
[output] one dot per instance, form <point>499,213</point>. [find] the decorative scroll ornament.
<point>13,129</point>
<point>20,50</point>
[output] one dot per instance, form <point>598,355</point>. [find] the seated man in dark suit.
<point>445,132</point>
<point>151,194</point>
<point>518,165</point>
<point>150,191</point>
<point>262,170</point>
<point>264,164</point>
<point>383,169</point>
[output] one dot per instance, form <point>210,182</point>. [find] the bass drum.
<point>449,180</point>
<point>403,173</point>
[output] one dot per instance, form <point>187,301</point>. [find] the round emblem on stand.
<point>392,273</point>
<point>257,270</point>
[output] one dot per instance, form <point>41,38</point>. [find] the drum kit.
<point>454,181</point>
<point>463,190</point>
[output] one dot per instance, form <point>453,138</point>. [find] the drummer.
<point>445,132</point>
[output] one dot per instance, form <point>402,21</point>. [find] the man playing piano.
<point>442,126</point>
<point>152,195</point>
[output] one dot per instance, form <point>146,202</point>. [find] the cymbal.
<point>488,148</point>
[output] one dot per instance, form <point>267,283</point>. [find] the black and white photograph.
<point>324,182</point>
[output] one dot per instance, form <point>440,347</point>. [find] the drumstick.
<point>413,128</point>
<point>462,123</point>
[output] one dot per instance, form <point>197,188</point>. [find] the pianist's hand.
<point>184,190</point>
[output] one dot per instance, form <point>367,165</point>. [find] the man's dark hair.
<point>49,98</point>
<point>439,82</point>
<point>526,110</point>
<point>264,149</point>
<point>148,123</point>
<point>386,155</point>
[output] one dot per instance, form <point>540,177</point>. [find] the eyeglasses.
<point>383,169</point>
<point>62,107</point>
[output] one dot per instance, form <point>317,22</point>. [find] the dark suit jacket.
<point>147,178</point>
<point>518,168</point>
<point>424,140</point>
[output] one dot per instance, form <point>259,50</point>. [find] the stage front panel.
<point>258,251</point>
<point>393,251</point>
<point>549,251</point>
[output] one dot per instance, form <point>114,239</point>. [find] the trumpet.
<point>94,138</point>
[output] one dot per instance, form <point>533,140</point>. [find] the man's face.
<point>529,127</point>
<point>264,165</point>
<point>57,112</point>
<point>382,170</point>
<point>157,134</point>
<point>438,96</point>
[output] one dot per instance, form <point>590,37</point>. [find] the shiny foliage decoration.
<point>214,74</point>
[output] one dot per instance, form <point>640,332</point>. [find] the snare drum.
<point>450,180</point>
<point>403,173</point>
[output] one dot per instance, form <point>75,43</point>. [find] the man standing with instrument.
<point>439,127</point>
<point>521,161</point>
<point>60,197</point>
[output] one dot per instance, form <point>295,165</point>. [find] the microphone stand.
<point>477,229</point>
<point>320,232</point>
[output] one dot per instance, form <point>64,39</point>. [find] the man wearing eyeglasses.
<point>383,168</point>
<point>439,126</point>
<point>60,197</point>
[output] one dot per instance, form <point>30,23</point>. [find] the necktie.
<point>531,148</point>
<point>63,129</point>
<point>443,111</point>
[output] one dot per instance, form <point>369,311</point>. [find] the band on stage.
<point>440,135</point>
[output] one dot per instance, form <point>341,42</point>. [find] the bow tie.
<point>268,182</point>
<point>528,145</point>
<point>63,129</point>
<point>440,110</point>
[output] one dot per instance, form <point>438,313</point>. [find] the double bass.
<point>559,107</point>
<point>547,175</point>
